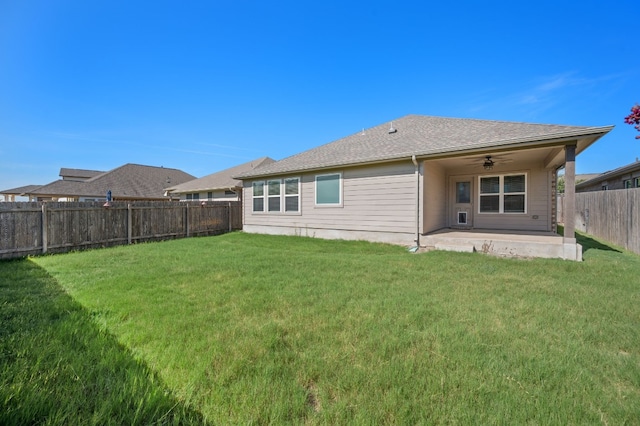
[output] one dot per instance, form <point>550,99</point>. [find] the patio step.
<point>459,247</point>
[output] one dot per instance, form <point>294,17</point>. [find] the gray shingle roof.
<point>79,173</point>
<point>635,166</point>
<point>130,181</point>
<point>422,136</point>
<point>220,180</point>
<point>20,190</point>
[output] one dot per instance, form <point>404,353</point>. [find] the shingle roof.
<point>635,166</point>
<point>20,190</point>
<point>220,180</point>
<point>130,181</point>
<point>79,173</point>
<point>421,136</point>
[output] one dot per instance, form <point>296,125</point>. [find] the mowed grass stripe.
<point>270,329</point>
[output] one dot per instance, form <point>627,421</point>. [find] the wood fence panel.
<point>75,226</point>
<point>613,216</point>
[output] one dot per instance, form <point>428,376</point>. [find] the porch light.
<point>488,163</point>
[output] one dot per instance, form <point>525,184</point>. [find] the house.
<point>624,177</point>
<point>459,184</point>
<point>127,182</point>
<point>219,186</point>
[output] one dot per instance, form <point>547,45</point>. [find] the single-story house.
<point>624,177</point>
<point>127,182</point>
<point>219,186</point>
<point>449,183</point>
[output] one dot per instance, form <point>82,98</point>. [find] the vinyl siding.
<point>538,215</point>
<point>374,199</point>
<point>435,197</point>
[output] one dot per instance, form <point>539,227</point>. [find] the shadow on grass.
<point>58,367</point>
<point>588,243</point>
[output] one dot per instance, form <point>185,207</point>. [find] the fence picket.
<point>54,227</point>
<point>613,216</point>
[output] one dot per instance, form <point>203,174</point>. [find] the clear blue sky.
<point>205,85</point>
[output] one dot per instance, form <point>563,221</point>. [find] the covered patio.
<point>526,244</point>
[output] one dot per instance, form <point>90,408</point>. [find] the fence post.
<point>187,219</point>
<point>229,217</point>
<point>129,224</point>
<point>45,226</point>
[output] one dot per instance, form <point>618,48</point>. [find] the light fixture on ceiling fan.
<point>488,163</point>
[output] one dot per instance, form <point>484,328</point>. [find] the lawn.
<point>251,329</point>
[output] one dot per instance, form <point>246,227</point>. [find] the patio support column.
<point>570,194</point>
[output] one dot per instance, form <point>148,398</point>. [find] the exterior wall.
<point>217,195</point>
<point>378,204</point>
<point>434,203</point>
<point>538,216</point>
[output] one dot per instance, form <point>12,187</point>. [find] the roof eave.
<point>513,144</point>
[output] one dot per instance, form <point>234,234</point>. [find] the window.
<point>280,194</point>
<point>229,192</point>
<point>328,190</point>
<point>292,195</point>
<point>189,197</point>
<point>627,184</point>
<point>193,196</point>
<point>636,182</point>
<point>273,195</point>
<point>210,195</point>
<point>503,194</point>
<point>258,196</point>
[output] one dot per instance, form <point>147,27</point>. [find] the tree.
<point>634,118</point>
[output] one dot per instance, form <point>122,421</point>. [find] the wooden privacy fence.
<point>613,216</point>
<point>55,227</point>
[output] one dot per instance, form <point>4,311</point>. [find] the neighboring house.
<point>11,194</point>
<point>416,175</point>
<point>127,182</point>
<point>219,186</point>
<point>624,177</point>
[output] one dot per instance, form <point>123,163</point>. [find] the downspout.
<point>417,166</point>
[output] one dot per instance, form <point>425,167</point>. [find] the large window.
<point>328,190</point>
<point>503,194</point>
<point>280,195</point>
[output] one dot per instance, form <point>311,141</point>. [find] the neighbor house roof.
<point>425,136</point>
<point>20,190</point>
<point>130,181</point>
<point>220,180</point>
<point>635,166</point>
<point>78,174</point>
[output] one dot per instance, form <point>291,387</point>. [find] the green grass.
<point>263,329</point>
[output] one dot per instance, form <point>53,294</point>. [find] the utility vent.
<point>392,129</point>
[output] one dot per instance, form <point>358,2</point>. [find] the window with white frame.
<point>273,195</point>
<point>503,194</point>
<point>292,194</point>
<point>329,189</point>
<point>627,184</point>
<point>280,194</point>
<point>636,182</point>
<point>258,196</point>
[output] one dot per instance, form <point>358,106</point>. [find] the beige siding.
<point>435,197</point>
<point>378,198</point>
<point>538,215</point>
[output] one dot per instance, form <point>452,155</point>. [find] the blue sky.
<point>203,86</point>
